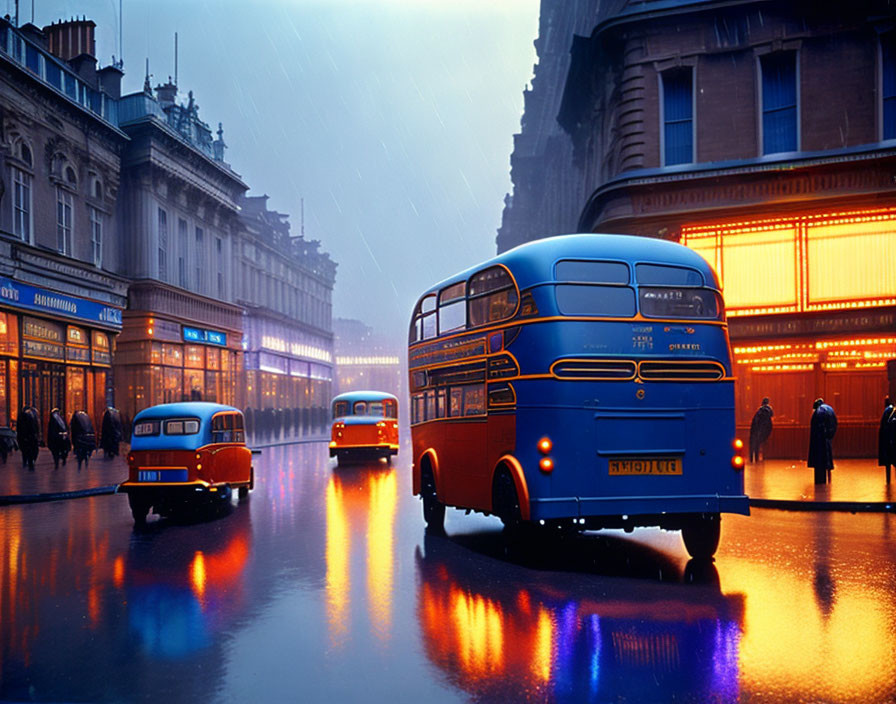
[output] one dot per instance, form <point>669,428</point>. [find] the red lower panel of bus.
<point>467,453</point>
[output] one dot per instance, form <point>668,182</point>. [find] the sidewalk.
<point>99,476</point>
<point>856,485</point>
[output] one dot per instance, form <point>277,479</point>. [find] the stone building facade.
<point>763,135</point>
<point>285,285</point>
<point>61,295</point>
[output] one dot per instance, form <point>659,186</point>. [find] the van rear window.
<point>146,427</point>
<point>182,426</point>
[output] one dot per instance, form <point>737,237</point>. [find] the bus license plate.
<point>148,476</point>
<point>648,465</point>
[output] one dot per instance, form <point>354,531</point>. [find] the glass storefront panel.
<point>156,353</point>
<point>9,334</point>
<point>172,390</point>
<point>75,391</point>
<point>172,355</point>
<point>194,383</point>
<point>194,357</point>
<point>4,394</point>
<point>213,358</point>
<point>211,386</point>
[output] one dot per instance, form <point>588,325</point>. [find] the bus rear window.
<point>340,408</point>
<point>591,271</point>
<point>661,275</point>
<point>589,299</point>
<point>685,303</point>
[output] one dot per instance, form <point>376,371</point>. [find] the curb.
<point>36,498</point>
<point>847,506</point>
<point>302,441</point>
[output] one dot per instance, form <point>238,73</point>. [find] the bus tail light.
<point>546,464</point>
<point>545,445</point>
<point>738,462</point>
<point>738,444</point>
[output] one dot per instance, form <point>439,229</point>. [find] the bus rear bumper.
<point>649,507</point>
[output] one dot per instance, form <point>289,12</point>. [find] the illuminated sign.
<point>19,295</point>
<point>208,337</point>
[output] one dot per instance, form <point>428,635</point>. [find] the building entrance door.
<point>43,386</point>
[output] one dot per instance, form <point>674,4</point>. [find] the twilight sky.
<point>393,119</point>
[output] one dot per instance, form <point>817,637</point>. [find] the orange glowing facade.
<point>763,138</point>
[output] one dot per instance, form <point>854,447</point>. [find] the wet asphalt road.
<point>323,587</point>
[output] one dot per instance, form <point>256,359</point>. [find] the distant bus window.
<point>360,408</point>
<point>390,409</point>
<point>456,407</point>
<point>375,408</point>
<point>340,408</point>
<point>453,308</point>
<point>441,410</point>
<point>594,300</point>
<point>430,405</point>
<point>474,400</point>
<point>698,304</point>
<point>592,272</point>
<point>657,275</point>
<point>429,327</point>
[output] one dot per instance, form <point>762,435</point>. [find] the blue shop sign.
<point>19,295</point>
<point>208,337</point>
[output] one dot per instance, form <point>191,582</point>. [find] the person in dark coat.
<point>886,452</point>
<point>58,442</point>
<point>8,442</point>
<point>28,435</point>
<point>83,437</point>
<point>110,435</point>
<point>760,428</point>
<point>822,428</point>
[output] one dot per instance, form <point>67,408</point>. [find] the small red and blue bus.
<point>579,381</point>
<point>186,454</point>
<point>365,426</point>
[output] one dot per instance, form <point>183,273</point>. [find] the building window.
<point>181,252</point>
<point>888,85</point>
<point>96,235</point>
<point>163,245</point>
<point>779,103</point>
<point>21,204</point>
<point>678,116</point>
<point>63,221</point>
<point>219,249</point>
<point>200,246</point>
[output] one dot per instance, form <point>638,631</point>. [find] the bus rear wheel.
<point>701,535</point>
<point>433,509</point>
<point>506,502</point>
<point>139,509</point>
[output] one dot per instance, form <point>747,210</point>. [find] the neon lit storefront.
<point>811,305</point>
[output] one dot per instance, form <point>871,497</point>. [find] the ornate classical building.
<point>61,299</point>
<point>182,332</point>
<point>285,285</point>
<point>762,134</point>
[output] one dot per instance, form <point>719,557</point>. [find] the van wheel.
<point>139,509</point>
<point>433,509</point>
<point>243,492</point>
<point>701,535</point>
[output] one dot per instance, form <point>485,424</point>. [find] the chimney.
<point>166,94</point>
<point>110,80</point>
<point>67,39</point>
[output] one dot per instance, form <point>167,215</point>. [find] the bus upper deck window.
<point>453,307</point>
<point>375,408</point>
<point>592,272</point>
<point>685,303</point>
<point>391,410</point>
<point>340,408</point>
<point>664,275</point>
<point>360,408</point>
<point>492,296</point>
<point>595,300</point>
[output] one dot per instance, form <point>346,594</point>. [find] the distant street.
<point>323,587</point>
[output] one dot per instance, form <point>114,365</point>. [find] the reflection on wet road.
<point>323,586</point>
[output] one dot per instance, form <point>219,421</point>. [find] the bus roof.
<point>192,409</point>
<point>533,263</point>
<point>352,396</point>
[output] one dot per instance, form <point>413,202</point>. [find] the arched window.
<point>70,177</point>
<point>97,189</point>
<point>25,153</point>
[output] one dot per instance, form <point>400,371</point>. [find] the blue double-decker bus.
<point>581,381</point>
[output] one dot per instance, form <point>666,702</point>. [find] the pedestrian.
<point>28,435</point>
<point>58,442</point>
<point>83,437</point>
<point>760,428</point>
<point>110,434</point>
<point>822,428</point>
<point>885,449</point>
